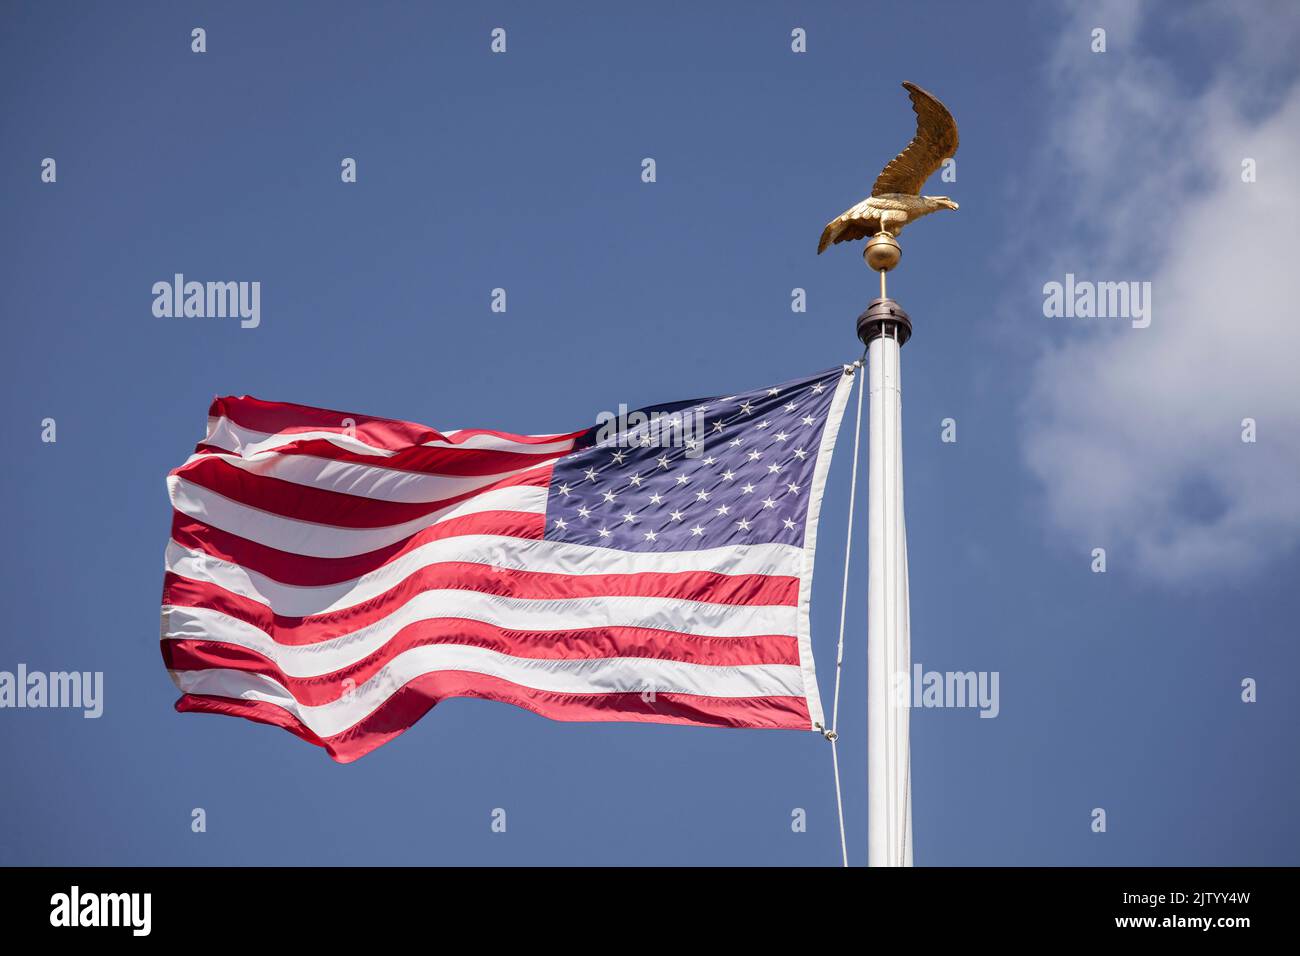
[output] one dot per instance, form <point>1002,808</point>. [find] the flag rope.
<point>833,734</point>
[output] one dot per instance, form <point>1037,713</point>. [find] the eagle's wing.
<point>935,141</point>
<point>846,228</point>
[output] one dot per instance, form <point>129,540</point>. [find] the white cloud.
<point>1135,434</point>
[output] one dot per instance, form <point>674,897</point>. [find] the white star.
<point>564,490</point>
<point>774,391</point>
<point>675,515</point>
<point>683,479</point>
<point>636,480</point>
<point>794,489</point>
<point>663,461</point>
<point>774,469</point>
<point>763,424</point>
<point>646,441</point>
<point>702,495</point>
<point>604,532</point>
<point>790,406</point>
<point>619,456</point>
<point>808,420</point>
<point>609,495</point>
<point>717,426</point>
<point>722,509</point>
<point>747,488</point>
<point>651,535</point>
<point>628,516</point>
<point>656,498</point>
<point>781,436</point>
<point>697,531</point>
<point>728,475</point>
<point>591,474</point>
<point>736,442</point>
<point>769,503</point>
<point>747,408</point>
<point>710,460</point>
<point>755,455</point>
<point>584,511</point>
<point>800,454</point>
<point>561,523</point>
<point>818,388</point>
<point>789,524</point>
<point>701,408</point>
<point>743,524</point>
<point>690,444</point>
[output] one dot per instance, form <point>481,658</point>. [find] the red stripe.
<point>576,644</point>
<point>322,506</point>
<point>290,568</point>
<point>263,416</point>
<point>416,698</point>
<point>707,586</point>
<point>388,433</point>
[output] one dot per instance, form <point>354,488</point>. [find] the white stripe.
<point>608,675</point>
<point>329,541</point>
<point>499,551</point>
<point>501,443</point>
<point>233,437</point>
<point>366,481</point>
<point>521,614</point>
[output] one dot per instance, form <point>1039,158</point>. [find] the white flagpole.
<point>884,327</point>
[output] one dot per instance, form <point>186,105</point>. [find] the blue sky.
<point>522,171</point>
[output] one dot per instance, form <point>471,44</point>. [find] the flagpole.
<point>884,328</point>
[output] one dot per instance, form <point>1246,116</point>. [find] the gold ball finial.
<point>882,252</point>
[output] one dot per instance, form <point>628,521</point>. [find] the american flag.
<point>338,575</point>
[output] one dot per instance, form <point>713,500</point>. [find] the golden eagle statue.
<point>895,199</point>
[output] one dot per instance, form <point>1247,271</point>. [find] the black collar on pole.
<point>884,317</point>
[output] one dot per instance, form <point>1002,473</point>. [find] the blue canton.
<point>738,470</point>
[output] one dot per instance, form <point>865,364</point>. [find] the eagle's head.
<point>940,202</point>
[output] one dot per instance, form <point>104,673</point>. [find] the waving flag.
<point>338,575</point>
